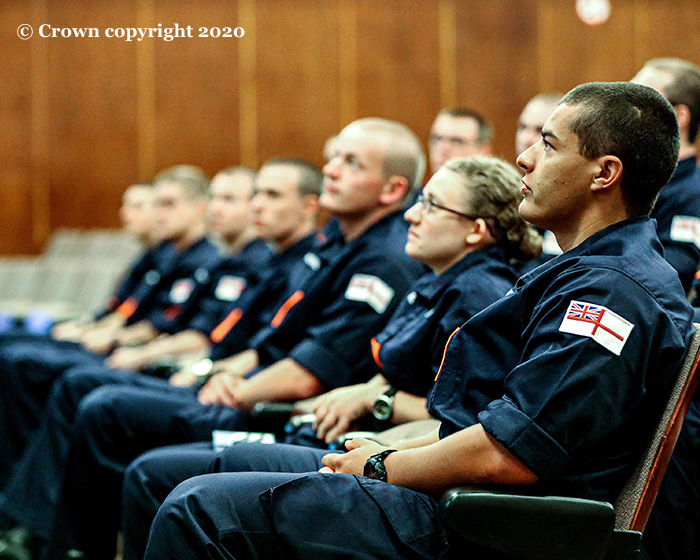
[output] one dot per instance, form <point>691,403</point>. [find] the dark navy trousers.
<point>67,487</point>
<point>151,477</point>
<point>29,365</point>
<point>256,515</point>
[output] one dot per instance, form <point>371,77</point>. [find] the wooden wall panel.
<point>497,63</point>
<point>92,113</point>
<point>668,28</point>
<point>196,87</point>
<point>15,132</point>
<point>83,118</point>
<point>398,74</point>
<point>298,77</point>
<point>571,52</point>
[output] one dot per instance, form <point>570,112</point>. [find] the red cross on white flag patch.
<point>370,289</point>
<point>601,324</point>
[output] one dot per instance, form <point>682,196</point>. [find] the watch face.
<point>382,409</point>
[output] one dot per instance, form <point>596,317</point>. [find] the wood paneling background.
<point>82,118</point>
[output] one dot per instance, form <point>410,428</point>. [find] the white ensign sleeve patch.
<point>685,229</point>
<point>601,324</point>
<point>370,289</point>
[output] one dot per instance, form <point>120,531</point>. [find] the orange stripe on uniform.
<point>295,298</point>
<point>127,308</point>
<point>223,328</point>
<point>442,363</point>
<point>376,348</point>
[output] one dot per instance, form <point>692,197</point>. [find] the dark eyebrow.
<point>549,134</point>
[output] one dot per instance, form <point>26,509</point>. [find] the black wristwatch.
<point>383,405</point>
<point>374,467</point>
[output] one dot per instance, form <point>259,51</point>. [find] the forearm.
<point>185,342</point>
<point>411,434</point>
<point>470,456</point>
<point>138,333</point>
<point>285,380</point>
<point>240,364</point>
<point>409,408</point>
<point>109,321</point>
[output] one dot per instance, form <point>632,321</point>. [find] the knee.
<point>135,485</point>
<point>96,409</point>
<point>77,382</point>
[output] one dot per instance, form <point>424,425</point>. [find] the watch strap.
<point>375,468</point>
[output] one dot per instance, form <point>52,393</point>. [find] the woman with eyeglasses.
<point>465,227</point>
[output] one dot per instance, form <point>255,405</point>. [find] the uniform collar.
<point>605,242</point>
<point>300,248</point>
<point>685,167</point>
<point>380,228</point>
<point>430,285</point>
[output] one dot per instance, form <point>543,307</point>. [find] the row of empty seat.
<point>74,276</point>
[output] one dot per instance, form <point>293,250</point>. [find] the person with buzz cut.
<point>557,386</point>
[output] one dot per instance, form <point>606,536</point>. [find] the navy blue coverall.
<point>569,372</point>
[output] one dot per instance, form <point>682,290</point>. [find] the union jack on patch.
<point>603,325</point>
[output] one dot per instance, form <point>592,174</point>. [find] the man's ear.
<point>683,117</point>
<point>608,174</point>
<point>394,190</point>
<point>311,204</point>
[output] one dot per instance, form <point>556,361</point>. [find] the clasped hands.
<point>352,462</point>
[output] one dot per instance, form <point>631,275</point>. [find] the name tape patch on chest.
<point>370,289</point>
<point>601,324</point>
<point>230,288</point>
<point>181,290</point>
<point>685,229</point>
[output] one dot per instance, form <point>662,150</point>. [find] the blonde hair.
<point>494,195</point>
<point>403,151</point>
<point>192,179</point>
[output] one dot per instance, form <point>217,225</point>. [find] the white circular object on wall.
<point>593,12</point>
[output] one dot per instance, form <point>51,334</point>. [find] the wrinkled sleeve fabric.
<point>570,390</point>
<point>336,345</point>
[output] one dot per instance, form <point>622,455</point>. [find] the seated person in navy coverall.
<point>673,530</point>
<point>162,300</point>
<point>284,212</point>
<point>677,211</point>
<point>458,132</point>
<point>465,227</point>
<point>229,213</point>
<point>409,350</point>
<point>137,216</point>
<point>558,385</point>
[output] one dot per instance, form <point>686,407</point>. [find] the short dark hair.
<point>634,123</point>
<point>310,176</point>
<point>684,89</point>
<point>484,133</point>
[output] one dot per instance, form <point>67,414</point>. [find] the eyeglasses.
<point>427,205</point>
